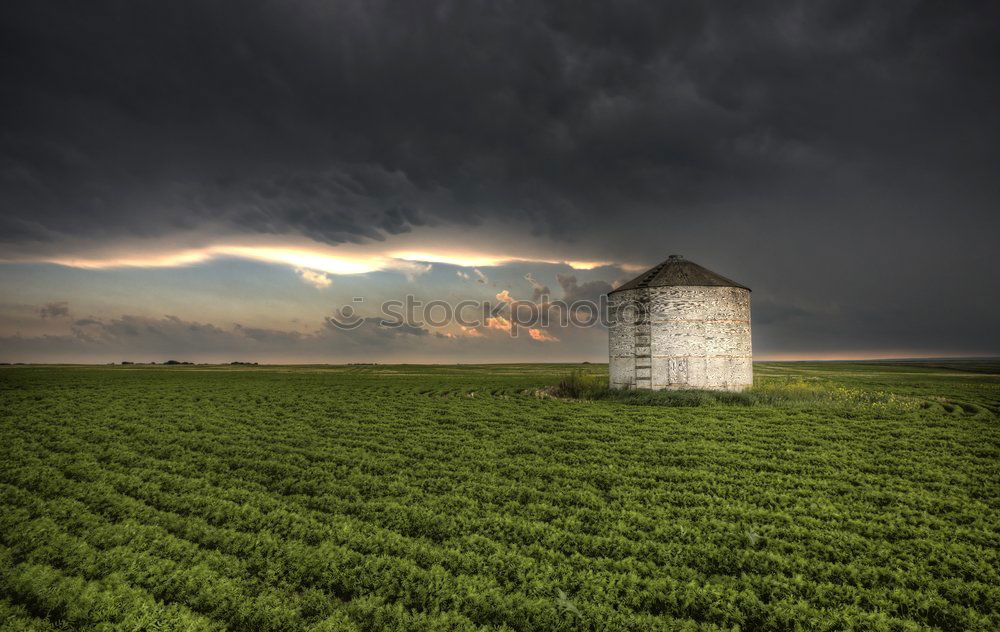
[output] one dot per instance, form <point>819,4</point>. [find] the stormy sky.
<point>212,180</point>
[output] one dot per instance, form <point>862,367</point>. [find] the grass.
<point>830,496</point>
<point>788,391</point>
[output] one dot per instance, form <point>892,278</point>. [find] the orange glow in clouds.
<point>343,259</point>
<point>541,335</point>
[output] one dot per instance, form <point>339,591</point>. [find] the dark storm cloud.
<point>342,120</point>
<point>57,309</point>
<point>812,150</point>
<point>573,291</point>
<point>538,289</point>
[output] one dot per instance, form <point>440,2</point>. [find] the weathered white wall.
<point>621,341</point>
<point>699,337</point>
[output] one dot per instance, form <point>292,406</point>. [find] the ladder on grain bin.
<point>643,344</point>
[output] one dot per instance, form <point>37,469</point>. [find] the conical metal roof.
<point>677,270</point>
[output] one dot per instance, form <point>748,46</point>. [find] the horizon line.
<point>183,363</point>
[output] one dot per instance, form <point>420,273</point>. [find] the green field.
<point>838,496</point>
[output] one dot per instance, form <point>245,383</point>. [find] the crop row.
<point>251,543</point>
<point>368,500</point>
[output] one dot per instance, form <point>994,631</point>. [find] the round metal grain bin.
<point>679,326</point>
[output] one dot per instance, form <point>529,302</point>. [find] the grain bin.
<point>679,326</point>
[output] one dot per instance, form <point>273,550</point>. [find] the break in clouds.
<point>838,158</point>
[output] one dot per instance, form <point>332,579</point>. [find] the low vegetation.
<point>788,391</point>
<point>830,496</point>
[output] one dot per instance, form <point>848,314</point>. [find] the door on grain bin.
<point>677,371</point>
